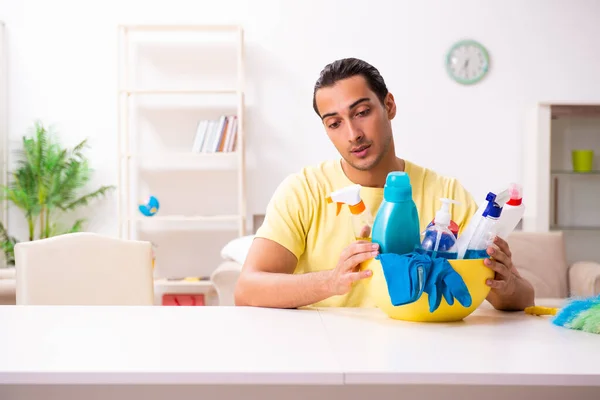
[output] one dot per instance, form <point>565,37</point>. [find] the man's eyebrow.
<point>357,102</point>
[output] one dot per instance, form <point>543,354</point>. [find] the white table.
<point>163,345</point>
<point>228,352</point>
<point>486,349</point>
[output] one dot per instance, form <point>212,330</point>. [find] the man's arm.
<point>267,279</point>
<point>510,291</point>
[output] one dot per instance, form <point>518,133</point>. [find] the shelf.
<point>189,222</point>
<point>178,283</point>
<point>167,286</point>
<point>575,110</point>
<point>190,218</point>
<point>186,160</point>
<point>178,91</point>
<point>567,172</point>
<point>574,228</point>
<point>181,28</point>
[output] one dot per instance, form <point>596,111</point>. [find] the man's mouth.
<point>361,151</point>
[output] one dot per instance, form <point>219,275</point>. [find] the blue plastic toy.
<point>150,208</point>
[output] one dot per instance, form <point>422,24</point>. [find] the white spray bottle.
<point>362,220</point>
<point>512,212</point>
<point>487,226</point>
<point>465,237</point>
<point>439,237</point>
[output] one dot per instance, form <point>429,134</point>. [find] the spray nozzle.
<point>495,203</point>
<point>442,217</point>
<point>349,195</point>
<point>515,193</point>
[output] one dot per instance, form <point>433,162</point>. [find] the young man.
<point>304,254</point>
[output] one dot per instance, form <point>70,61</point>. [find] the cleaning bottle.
<point>454,228</point>
<point>512,212</point>
<point>396,226</point>
<point>465,237</point>
<point>486,228</point>
<point>362,220</point>
<point>438,236</point>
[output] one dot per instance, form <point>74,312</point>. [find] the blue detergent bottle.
<point>396,225</point>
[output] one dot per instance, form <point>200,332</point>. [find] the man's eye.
<point>334,125</point>
<point>363,113</point>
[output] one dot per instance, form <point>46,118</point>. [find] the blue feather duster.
<point>581,314</point>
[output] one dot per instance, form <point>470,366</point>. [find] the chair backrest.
<point>84,269</point>
<point>540,257</point>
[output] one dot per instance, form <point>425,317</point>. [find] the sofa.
<point>539,257</point>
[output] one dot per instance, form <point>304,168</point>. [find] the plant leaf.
<point>49,177</point>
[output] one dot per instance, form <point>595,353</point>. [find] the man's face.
<point>356,121</point>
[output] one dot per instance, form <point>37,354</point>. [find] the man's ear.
<point>390,105</point>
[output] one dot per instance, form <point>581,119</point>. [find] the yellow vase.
<point>473,272</point>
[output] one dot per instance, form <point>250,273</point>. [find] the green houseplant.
<point>48,182</point>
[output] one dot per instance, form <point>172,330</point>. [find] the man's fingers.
<point>359,247</point>
<point>355,247</point>
<point>499,256</point>
<point>365,231</point>
<point>356,259</point>
<point>497,267</point>
<point>364,246</point>
<point>503,246</point>
<point>356,276</point>
<point>499,285</point>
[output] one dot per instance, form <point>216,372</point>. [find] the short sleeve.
<point>288,215</point>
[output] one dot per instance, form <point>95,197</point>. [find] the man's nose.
<point>354,133</point>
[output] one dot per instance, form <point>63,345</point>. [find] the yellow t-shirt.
<point>299,217</point>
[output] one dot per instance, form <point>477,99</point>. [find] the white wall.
<point>63,70</point>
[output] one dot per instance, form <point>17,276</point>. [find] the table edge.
<point>487,379</point>
<point>202,378</point>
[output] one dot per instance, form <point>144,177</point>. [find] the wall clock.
<point>467,62</point>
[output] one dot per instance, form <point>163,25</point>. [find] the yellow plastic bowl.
<point>473,272</point>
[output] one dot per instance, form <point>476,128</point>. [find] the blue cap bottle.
<point>396,225</point>
<point>485,230</point>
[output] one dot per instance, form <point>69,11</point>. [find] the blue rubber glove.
<point>411,274</point>
<point>443,280</point>
<point>405,275</point>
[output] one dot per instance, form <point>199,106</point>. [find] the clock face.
<point>467,62</point>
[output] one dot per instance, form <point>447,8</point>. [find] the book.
<point>216,135</point>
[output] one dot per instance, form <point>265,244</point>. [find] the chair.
<point>84,269</point>
<point>224,278</point>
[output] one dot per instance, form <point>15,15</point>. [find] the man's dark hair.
<point>346,68</point>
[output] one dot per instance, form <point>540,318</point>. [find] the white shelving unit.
<point>559,198</point>
<point>176,163</point>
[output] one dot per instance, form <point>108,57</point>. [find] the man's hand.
<point>504,282</point>
<point>347,270</point>
<point>509,289</point>
<point>365,232</point>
